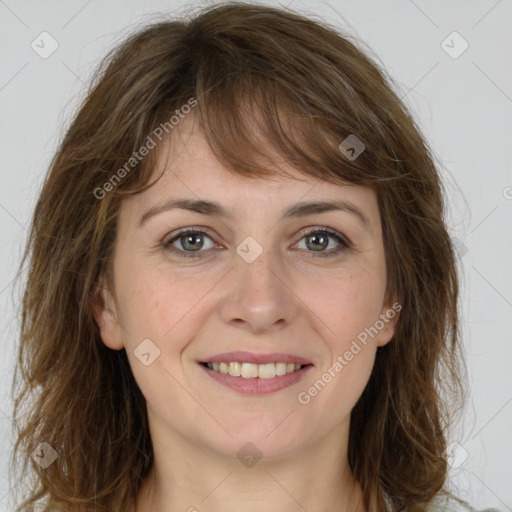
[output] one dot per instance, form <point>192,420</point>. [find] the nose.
<point>258,296</point>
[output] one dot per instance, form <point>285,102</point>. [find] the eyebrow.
<point>217,210</point>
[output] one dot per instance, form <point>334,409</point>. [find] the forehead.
<point>191,170</point>
<point>187,153</point>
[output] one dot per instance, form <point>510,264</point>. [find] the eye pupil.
<point>193,239</point>
<point>317,246</point>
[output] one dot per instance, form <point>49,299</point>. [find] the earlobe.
<point>385,335</point>
<point>104,313</point>
<point>389,318</point>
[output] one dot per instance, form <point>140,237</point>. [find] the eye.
<point>319,240</point>
<point>191,242</point>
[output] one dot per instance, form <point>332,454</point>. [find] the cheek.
<point>347,305</point>
<point>350,306</point>
<point>153,303</point>
<point>341,384</point>
<point>155,308</point>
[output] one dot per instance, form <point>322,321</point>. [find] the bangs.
<point>252,126</point>
<point>253,122</point>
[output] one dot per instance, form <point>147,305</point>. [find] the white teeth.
<point>267,371</point>
<point>235,369</point>
<point>280,368</point>
<point>249,370</point>
<point>252,371</point>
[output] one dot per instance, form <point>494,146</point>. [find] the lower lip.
<point>258,386</point>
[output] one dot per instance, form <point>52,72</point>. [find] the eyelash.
<point>344,244</point>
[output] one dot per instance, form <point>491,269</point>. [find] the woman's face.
<point>251,279</point>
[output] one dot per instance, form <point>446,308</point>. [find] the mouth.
<point>254,373</point>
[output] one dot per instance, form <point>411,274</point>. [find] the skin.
<point>288,300</point>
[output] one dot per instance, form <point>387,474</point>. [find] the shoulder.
<point>442,503</point>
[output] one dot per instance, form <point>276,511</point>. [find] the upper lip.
<point>251,357</point>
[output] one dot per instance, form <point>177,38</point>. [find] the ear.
<point>389,318</point>
<point>103,308</point>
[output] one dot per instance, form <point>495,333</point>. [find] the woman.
<point>241,291</point>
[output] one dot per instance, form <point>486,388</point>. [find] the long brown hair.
<point>259,81</point>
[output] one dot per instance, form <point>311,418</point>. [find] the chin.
<point>260,438</point>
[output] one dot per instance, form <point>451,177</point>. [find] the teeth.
<point>266,371</point>
<point>252,371</point>
<point>235,369</point>
<point>280,368</point>
<point>249,371</point>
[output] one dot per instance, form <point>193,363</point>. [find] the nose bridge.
<point>259,281</point>
<point>258,294</point>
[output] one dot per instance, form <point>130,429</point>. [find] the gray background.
<point>463,105</point>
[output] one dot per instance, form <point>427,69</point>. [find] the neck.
<point>190,478</point>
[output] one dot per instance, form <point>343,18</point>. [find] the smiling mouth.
<point>254,371</point>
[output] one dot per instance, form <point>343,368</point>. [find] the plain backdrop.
<point>458,87</point>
